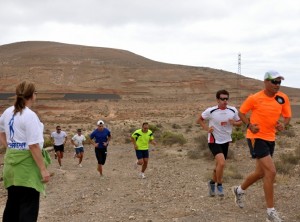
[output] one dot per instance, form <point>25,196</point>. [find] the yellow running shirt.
<point>142,139</point>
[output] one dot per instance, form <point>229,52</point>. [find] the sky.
<point>191,32</point>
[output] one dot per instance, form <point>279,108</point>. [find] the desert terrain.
<point>136,89</point>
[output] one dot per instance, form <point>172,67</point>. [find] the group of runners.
<point>22,133</point>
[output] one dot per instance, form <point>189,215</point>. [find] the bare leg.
<point>144,166</point>
<point>220,164</point>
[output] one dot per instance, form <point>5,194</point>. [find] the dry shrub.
<point>287,161</point>
<point>231,172</point>
<point>169,138</point>
<point>201,150</point>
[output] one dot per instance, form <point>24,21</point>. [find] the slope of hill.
<point>58,67</point>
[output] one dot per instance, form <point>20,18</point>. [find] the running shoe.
<point>238,197</point>
<point>142,176</point>
<point>80,165</point>
<point>220,191</point>
<point>273,217</point>
<point>211,189</point>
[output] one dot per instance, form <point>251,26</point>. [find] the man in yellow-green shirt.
<point>141,139</point>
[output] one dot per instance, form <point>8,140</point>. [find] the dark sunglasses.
<point>58,129</point>
<point>223,99</point>
<point>275,82</point>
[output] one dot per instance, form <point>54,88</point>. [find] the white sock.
<point>269,210</point>
<point>240,190</point>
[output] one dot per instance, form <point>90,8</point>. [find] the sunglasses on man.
<point>224,99</point>
<point>275,82</point>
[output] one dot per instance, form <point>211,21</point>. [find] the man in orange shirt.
<point>267,107</point>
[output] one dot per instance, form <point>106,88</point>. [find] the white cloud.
<point>191,32</point>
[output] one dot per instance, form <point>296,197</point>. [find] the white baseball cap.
<point>272,75</point>
<point>100,122</point>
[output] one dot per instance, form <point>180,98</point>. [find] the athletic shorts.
<point>60,148</point>
<point>79,150</point>
<point>101,155</point>
<point>219,148</point>
<point>260,148</point>
<point>141,154</point>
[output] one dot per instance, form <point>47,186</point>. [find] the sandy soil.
<point>175,189</point>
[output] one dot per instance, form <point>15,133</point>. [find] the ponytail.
<point>24,92</point>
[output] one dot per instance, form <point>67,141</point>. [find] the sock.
<point>240,190</point>
<point>212,182</point>
<point>269,210</point>
<point>219,184</point>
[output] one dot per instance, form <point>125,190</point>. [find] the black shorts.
<point>60,148</point>
<point>101,155</point>
<point>219,148</point>
<point>260,148</point>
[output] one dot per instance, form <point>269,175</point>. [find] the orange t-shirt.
<point>266,112</point>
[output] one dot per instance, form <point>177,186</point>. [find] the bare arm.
<point>38,158</point>
<point>253,127</point>
<point>134,142</point>
<point>202,123</point>
<point>3,139</point>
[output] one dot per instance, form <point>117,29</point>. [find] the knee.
<point>140,162</point>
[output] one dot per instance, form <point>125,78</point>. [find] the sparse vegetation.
<point>169,138</point>
<point>287,162</point>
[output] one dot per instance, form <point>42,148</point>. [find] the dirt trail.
<point>175,190</point>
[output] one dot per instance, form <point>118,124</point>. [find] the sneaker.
<point>211,189</point>
<point>80,165</point>
<point>220,191</point>
<point>238,197</point>
<point>273,217</point>
<point>142,176</point>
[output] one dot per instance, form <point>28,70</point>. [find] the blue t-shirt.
<point>100,137</point>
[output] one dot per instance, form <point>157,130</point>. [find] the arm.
<point>202,123</point>
<point>254,128</point>
<point>235,123</point>
<point>107,142</point>
<point>153,142</point>
<point>282,126</point>
<point>134,143</point>
<point>38,158</point>
<point>3,139</point>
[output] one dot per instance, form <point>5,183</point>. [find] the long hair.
<point>24,91</point>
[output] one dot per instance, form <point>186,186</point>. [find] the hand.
<point>45,176</point>
<point>210,129</point>
<point>254,128</point>
<point>231,121</point>
<point>279,126</point>
<point>135,146</point>
<point>105,143</point>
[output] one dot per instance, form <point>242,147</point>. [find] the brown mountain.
<point>59,68</point>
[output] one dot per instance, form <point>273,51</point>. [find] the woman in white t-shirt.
<point>24,172</point>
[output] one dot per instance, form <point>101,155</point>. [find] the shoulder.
<point>232,108</point>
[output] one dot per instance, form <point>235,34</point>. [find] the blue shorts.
<point>141,154</point>
<point>260,148</point>
<point>219,148</point>
<point>79,150</point>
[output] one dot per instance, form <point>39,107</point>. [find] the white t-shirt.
<point>59,138</point>
<point>219,120</point>
<point>78,140</point>
<point>21,130</point>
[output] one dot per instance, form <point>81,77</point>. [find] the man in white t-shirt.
<point>221,118</point>
<point>59,139</point>
<point>78,140</point>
